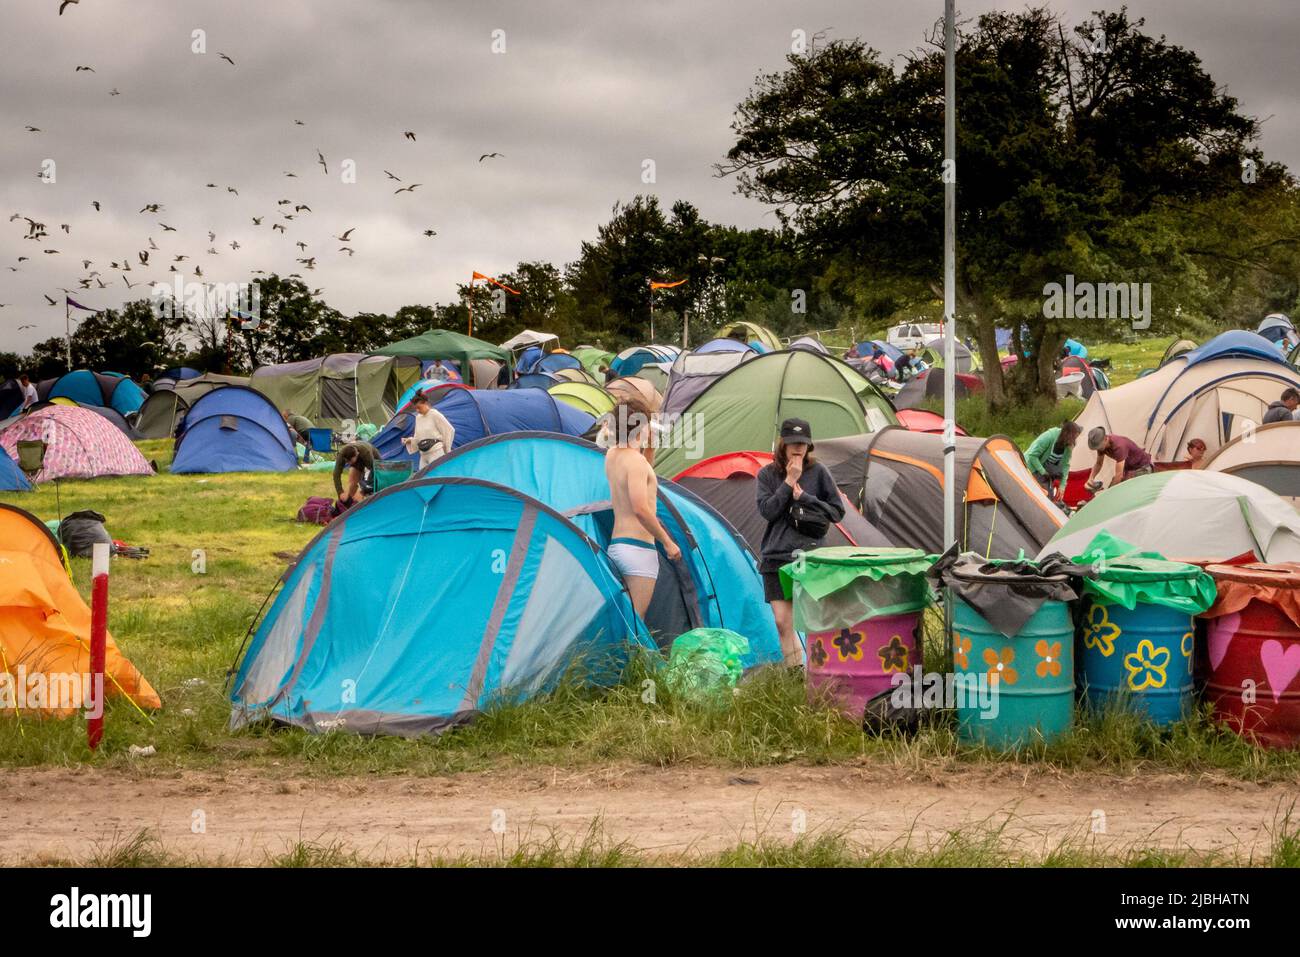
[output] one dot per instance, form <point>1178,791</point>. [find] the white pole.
<point>949,298</point>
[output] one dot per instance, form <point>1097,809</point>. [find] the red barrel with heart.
<point>1253,651</point>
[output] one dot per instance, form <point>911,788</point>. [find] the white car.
<point>912,335</point>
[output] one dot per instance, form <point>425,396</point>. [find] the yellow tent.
<point>45,628</point>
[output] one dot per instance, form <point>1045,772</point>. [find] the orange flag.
<point>479,275</point>
<point>665,285</point>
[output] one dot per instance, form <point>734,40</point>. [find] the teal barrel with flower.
<point>1136,637</point>
<point>1013,650</point>
<point>860,610</point>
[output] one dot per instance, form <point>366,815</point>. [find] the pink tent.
<point>78,444</point>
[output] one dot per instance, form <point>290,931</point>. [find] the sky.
<point>575,94</point>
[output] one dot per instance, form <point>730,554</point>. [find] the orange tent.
<point>45,628</point>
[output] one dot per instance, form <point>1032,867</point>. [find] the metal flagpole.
<point>949,298</point>
<point>67,329</point>
<point>652,310</point>
<point>471,306</point>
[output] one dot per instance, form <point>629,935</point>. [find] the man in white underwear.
<point>633,492</point>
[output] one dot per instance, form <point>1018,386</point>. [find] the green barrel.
<point>1017,690</point>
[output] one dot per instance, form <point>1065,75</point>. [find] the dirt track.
<point>64,815</point>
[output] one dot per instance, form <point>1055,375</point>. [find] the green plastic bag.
<point>1127,577</point>
<point>705,662</point>
<point>367,431</point>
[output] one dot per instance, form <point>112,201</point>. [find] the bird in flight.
<point>212,237</point>
<point>226,58</point>
<point>87,69</point>
<point>234,244</point>
<point>231,189</point>
<point>408,189</point>
<point>152,208</point>
<point>49,300</point>
<point>65,4</point>
<point>391,176</point>
<point>491,156</point>
<point>33,129</point>
<point>116,92</point>
<point>431,232</point>
<point>167,229</point>
<point>95,203</point>
<point>409,135</point>
<point>144,257</point>
<point>291,175</point>
<point>299,123</point>
<point>301,245</point>
<point>50,252</point>
<point>279,226</point>
<point>129,283</point>
<point>302,206</point>
<point>257,220</point>
<point>345,235</point>
<point>320,158</point>
<point>342,249</point>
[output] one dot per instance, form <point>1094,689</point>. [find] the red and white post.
<point>98,640</point>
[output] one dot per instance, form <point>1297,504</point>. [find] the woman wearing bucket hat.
<point>799,500</point>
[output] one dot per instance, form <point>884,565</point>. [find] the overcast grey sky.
<point>584,92</point>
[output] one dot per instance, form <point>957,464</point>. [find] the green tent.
<point>656,376</point>
<point>743,410</point>
<point>335,389</point>
<point>448,346</point>
<point>752,332</point>
<point>594,360</point>
<point>584,397</point>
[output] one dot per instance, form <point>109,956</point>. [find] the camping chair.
<point>31,459</point>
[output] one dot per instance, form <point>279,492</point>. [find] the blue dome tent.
<point>629,361</point>
<point>486,592</point>
<point>94,388</point>
<point>233,429</point>
<point>716,585</point>
<point>476,413</point>
<point>724,345</point>
<point>12,478</point>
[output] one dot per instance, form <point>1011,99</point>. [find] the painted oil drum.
<point>854,664</point>
<point>1141,659</point>
<point>1254,653</point>
<point>1025,683</point>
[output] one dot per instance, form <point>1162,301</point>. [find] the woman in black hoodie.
<point>799,500</point>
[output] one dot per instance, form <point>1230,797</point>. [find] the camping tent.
<point>929,385</point>
<point>78,444</point>
<point>716,583</point>
<point>12,478</point>
<point>233,429</point>
<point>743,409</point>
<point>932,353</point>
<point>44,622</point>
<point>1276,328</point>
<point>811,344</point>
<point>636,390</point>
<point>654,373</point>
<point>94,388</point>
<point>1175,349</point>
<point>163,410</point>
<point>11,397</point>
<point>766,339</point>
<point>584,397</point>
<point>1187,514</point>
<point>1213,393</point>
<point>1268,456</point>
<point>895,479</point>
<point>693,372</point>
<point>1092,377</point>
<point>630,360</point>
<point>487,592</point>
<point>338,388</point>
<point>923,420</point>
<point>448,346</point>
<point>724,345</point>
<point>596,361</point>
<point>475,414</point>
<point>545,340</point>
<point>727,483</point>
<point>112,416</point>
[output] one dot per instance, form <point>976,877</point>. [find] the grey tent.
<point>334,389</point>
<point>163,410</point>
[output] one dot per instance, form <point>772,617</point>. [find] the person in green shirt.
<point>1048,457</point>
<point>298,425</point>
<point>359,458</point>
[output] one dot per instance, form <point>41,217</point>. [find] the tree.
<point>1066,139</point>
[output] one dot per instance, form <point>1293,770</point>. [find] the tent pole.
<point>949,302</point>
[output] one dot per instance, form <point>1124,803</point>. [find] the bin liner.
<point>844,585</point>
<point>1276,584</point>
<point>1008,592</point>
<point>1124,576</point>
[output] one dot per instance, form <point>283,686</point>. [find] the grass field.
<point>183,630</point>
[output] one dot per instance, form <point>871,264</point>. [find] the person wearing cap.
<point>634,497</point>
<point>1130,458</point>
<point>799,500</point>
<point>1048,456</point>
<point>433,434</point>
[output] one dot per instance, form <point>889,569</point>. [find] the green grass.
<point>980,845</point>
<point>183,631</point>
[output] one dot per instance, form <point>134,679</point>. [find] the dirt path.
<point>65,815</point>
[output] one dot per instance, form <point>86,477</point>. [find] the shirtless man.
<point>633,492</point>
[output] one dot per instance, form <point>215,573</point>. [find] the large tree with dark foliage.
<point>1080,151</point>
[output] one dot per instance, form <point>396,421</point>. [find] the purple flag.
<point>74,303</point>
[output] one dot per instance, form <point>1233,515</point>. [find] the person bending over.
<point>358,459</point>
<point>1130,458</point>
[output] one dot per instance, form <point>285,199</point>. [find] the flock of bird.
<point>143,264</point>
